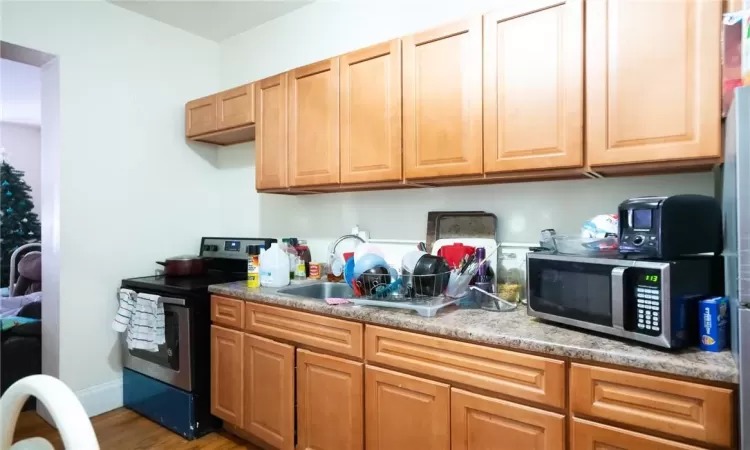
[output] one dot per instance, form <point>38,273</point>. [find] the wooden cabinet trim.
<point>555,139</point>
<point>325,333</point>
<point>585,435</point>
<point>511,423</point>
<point>314,68</point>
<point>429,395</point>
<point>227,311</point>
<point>529,377</point>
<point>354,98</point>
<point>679,408</point>
<point>347,431</point>
<point>271,162</point>
<point>226,374</point>
<point>279,430</point>
<point>466,157</point>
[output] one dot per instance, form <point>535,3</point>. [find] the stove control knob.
<point>206,248</point>
<point>638,240</point>
<point>214,248</point>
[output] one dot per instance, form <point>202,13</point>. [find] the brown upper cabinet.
<point>314,124</point>
<point>200,116</point>
<point>533,89</point>
<point>442,95</point>
<point>533,86</point>
<point>225,118</point>
<point>271,133</point>
<point>652,81</point>
<point>371,114</point>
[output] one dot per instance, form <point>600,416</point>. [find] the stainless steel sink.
<point>320,291</point>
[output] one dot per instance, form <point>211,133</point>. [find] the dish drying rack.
<point>403,290</point>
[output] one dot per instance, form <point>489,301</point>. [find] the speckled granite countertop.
<point>512,330</point>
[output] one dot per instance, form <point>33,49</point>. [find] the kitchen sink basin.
<point>320,291</point>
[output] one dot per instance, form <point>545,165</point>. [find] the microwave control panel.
<point>648,304</point>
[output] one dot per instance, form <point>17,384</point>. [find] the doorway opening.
<point>29,213</point>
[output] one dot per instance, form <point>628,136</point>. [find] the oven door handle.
<point>618,294</point>
<point>172,301</point>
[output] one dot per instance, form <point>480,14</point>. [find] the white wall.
<point>23,147</point>
<point>20,92</point>
<point>325,29</point>
<point>131,191</point>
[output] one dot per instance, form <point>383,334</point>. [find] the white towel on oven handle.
<point>142,315</point>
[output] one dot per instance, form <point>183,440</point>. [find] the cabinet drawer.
<point>585,435</point>
<point>325,333</point>
<point>227,311</point>
<point>529,377</point>
<point>479,422</point>
<point>680,408</point>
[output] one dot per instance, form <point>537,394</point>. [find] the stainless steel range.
<point>172,385</point>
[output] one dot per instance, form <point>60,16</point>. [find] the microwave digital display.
<point>641,219</point>
<point>648,279</point>
<point>231,246</point>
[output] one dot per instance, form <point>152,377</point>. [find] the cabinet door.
<point>371,114</point>
<point>652,80</point>
<point>533,86</point>
<point>442,77</point>
<point>329,402</point>
<point>402,411</point>
<point>226,374</point>
<point>585,435</point>
<point>479,422</point>
<point>269,391</point>
<point>200,116</point>
<point>270,133</point>
<point>314,124</point>
<point>235,108</point>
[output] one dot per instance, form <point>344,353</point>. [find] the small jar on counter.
<point>316,271</point>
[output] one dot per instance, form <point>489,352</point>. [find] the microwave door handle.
<point>618,291</point>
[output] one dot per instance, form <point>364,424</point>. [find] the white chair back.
<point>69,416</point>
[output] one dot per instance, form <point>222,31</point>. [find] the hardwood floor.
<point>124,429</point>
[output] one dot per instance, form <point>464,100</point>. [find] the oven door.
<point>171,363</point>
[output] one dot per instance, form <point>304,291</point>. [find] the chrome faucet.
<point>340,240</point>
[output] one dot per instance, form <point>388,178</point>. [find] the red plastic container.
<point>455,253</point>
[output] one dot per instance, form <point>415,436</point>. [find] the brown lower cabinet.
<point>268,380</point>
<point>329,402</point>
<point>226,374</point>
<point>405,412</point>
<point>479,422</point>
<point>587,435</point>
<point>260,385</point>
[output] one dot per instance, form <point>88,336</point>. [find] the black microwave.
<point>654,302</point>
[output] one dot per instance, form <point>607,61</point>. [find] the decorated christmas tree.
<point>18,223</point>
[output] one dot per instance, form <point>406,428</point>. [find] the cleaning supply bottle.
<point>274,267</point>
<point>253,266</point>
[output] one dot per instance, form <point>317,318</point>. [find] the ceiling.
<point>20,93</point>
<point>212,19</point>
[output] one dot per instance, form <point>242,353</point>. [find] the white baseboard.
<point>101,398</point>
